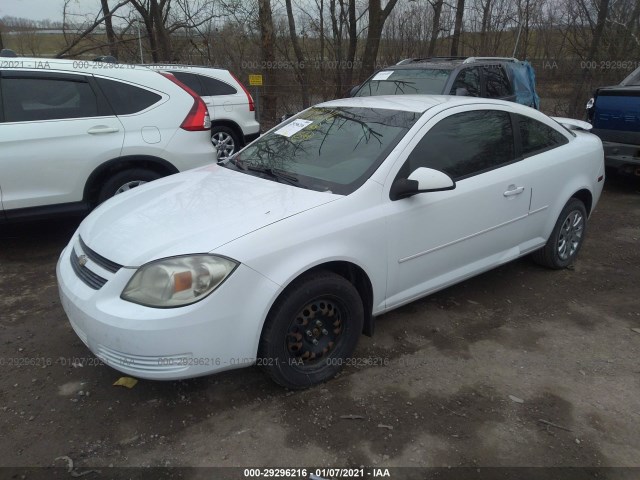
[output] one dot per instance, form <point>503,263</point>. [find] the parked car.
<point>614,114</point>
<point>74,133</point>
<point>488,77</point>
<point>284,254</point>
<point>231,107</point>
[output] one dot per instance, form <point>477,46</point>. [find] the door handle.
<point>102,129</point>
<point>513,190</point>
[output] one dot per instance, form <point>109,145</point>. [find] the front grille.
<point>98,259</point>
<point>92,279</point>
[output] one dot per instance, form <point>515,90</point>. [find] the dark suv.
<point>490,77</point>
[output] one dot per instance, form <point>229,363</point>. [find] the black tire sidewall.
<point>273,352</point>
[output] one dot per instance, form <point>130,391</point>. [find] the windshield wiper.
<point>274,173</point>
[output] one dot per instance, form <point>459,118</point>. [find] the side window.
<point>537,137</point>
<point>216,87</point>
<point>39,98</point>
<point>465,144</point>
<point>126,99</point>
<point>468,78</point>
<point>190,80</point>
<point>497,83</point>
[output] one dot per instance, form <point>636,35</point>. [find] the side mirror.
<point>462,92</point>
<point>354,90</point>
<point>421,180</point>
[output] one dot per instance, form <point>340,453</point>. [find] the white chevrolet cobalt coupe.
<point>284,254</point>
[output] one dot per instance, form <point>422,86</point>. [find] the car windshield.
<point>402,82</point>
<point>326,149</point>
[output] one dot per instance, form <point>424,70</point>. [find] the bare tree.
<point>377,17</point>
<point>86,29</point>
<point>299,66</point>
<point>265,18</point>
<point>455,39</point>
<point>353,41</point>
<point>435,31</point>
<point>111,34</point>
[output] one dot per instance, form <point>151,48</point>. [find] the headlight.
<point>177,281</point>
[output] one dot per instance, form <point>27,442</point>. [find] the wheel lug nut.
<point>309,333</point>
<point>318,323</point>
<point>315,342</point>
<point>325,332</point>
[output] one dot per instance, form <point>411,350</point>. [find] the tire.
<point>225,140</point>
<point>566,238</point>
<point>287,350</point>
<point>126,180</point>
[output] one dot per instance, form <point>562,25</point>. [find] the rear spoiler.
<point>572,124</point>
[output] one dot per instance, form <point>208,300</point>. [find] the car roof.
<point>446,63</point>
<point>73,65</point>
<point>413,103</point>
<point>176,67</point>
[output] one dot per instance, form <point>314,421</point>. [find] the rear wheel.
<point>311,331</point>
<point>126,180</point>
<point>566,238</point>
<point>225,140</point>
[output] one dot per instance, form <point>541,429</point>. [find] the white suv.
<point>233,119</point>
<point>74,133</point>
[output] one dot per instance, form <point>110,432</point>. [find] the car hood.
<point>191,212</point>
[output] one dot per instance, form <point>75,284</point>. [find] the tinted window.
<point>465,144</point>
<point>497,83</point>
<point>190,80</point>
<point>468,78</point>
<point>126,99</point>
<point>32,99</point>
<point>211,86</point>
<point>536,136</point>
<point>401,82</point>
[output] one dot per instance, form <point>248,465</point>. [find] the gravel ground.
<point>521,366</point>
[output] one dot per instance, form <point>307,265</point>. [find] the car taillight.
<point>249,97</point>
<point>198,118</point>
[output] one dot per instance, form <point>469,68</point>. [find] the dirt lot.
<point>518,367</point>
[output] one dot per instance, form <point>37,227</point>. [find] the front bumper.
<point>220,332</point>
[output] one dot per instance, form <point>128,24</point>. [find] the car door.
<point>55,130</point>
<point>438,238</point>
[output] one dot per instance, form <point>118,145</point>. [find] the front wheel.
<point>311,331</point>
<point>566,238</point>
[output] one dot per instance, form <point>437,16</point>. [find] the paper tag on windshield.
<point>383,75</point>
<point>293,127</point>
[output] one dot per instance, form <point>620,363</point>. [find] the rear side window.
<point>469,78</point>
<point>211,87</point>
<point>497,83</point>
<point>190,80</point>
<point>32,99</point>
<point>537,137</point>
<point>465,144</point>
<point>126,99</point>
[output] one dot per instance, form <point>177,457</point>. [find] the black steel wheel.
<point>311,330</point>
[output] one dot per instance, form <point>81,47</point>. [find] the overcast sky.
<point>45,9</point>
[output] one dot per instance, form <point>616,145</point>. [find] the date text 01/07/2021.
<point>316,473</point>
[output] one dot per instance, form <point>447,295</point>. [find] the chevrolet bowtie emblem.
<point>82,260</point>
